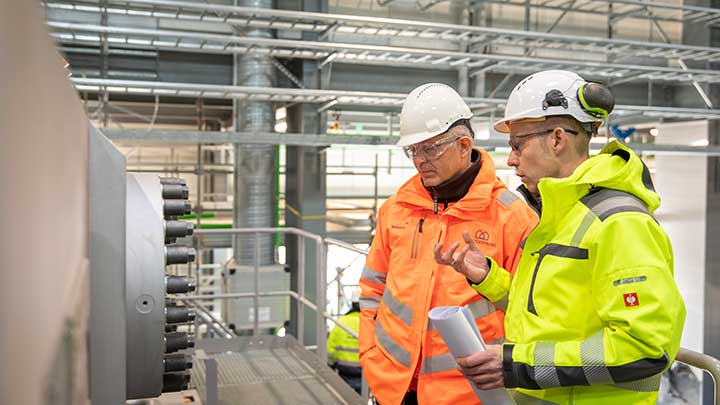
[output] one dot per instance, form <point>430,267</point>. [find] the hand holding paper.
<point>484,368</point>
<point>462,337</point>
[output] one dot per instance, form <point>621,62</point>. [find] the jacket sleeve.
<point>332,343</point>
<point>636,298</point>
<point>496,285</point>
<point>372,283</point>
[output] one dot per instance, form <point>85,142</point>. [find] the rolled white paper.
<point>461,335</point>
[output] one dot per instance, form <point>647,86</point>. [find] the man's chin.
<point>430,181</point>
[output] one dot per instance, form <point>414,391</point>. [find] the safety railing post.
<point>321,299</point>
<point>256,290</point>
<point>301,289</point>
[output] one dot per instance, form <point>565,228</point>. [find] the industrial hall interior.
<point>390,202</point>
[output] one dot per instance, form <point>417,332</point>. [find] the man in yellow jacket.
<point>342,347</point>
<point>594,314</point>
<point>404,359</point>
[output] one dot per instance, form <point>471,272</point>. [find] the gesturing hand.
<point>470,261</point>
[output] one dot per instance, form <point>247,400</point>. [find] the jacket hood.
<point>615,167</point>
<point>413,194</point>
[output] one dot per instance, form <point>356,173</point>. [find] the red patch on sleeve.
<point>631,299</point>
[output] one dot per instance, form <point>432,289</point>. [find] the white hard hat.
<point>557,92</point>
<point>355,296</point>
<point>430,110</point>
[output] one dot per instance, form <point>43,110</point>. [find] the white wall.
<point>43,216</point>
<point>681,181</point>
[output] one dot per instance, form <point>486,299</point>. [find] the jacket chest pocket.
<point>406,242</point>
<point>559,269</point>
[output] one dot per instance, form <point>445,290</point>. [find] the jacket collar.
<point>615,167</point>
<point>456,188</point>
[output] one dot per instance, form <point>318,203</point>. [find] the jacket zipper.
<point>545,251</point>
<point>531,303</point>
<point>416,239</point>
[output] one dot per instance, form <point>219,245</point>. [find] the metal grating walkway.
<point>270,370</point>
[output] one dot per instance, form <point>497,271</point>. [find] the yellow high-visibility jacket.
<point>594,313</point>
<point>342,348</point>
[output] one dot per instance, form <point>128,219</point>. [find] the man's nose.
<point>512,159</point>
<point>420,157</point>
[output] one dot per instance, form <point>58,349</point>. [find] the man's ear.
<point>559,140</point>
<point>466,144</point>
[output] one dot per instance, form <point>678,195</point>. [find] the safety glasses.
<point>431,151</point>
<point>518,142</point>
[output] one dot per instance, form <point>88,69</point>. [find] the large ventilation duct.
<point>255,177</point>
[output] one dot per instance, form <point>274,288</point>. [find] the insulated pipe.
<point>255,194</point>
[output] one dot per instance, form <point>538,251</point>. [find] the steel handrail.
<point>321,259</point>
<point>705,362</point>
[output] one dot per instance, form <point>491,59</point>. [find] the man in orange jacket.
<point>404,360</point>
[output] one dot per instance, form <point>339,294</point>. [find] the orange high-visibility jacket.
<point>401,282</point>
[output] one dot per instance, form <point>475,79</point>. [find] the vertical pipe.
<point>301,289</point>
<point>255,193</point>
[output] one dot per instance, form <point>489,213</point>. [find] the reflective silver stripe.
<point>390,346</point>
<point>583,228</point>
<point>571,252</point>
<point>545,372</point>
<point>437,364</point>
<point>347,349</point>
<point>502,304</point>
<point>522,243</point>
<point>400,310</point>
<point>524,399</point>
<point>347,363</point>
<point>479,309</point>
<point>369,302</point>
<point>375,277</point>
<point>592,358</point>
<point>606,202</point>
<point>507,197</point>
<point>650,384</point>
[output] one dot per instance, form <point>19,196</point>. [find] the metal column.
<point>305,192</point>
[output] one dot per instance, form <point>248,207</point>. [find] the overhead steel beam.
<point>362,54</point>
<point>343,97</point>
<point>232,16</point>
<point>324,140</point>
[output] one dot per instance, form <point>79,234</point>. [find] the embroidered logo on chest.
<point>483,237</point>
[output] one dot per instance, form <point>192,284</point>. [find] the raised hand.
<point>470,261</point>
